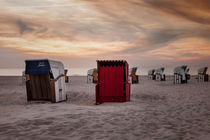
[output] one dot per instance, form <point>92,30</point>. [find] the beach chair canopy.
<point>150,72</point>
<point>180,69</point>
<point>202,70</point>
<point>159,70</point>
<point>90,71</point>
<point>134,69</point>
<point>44,66</point>
<point>65,71</point>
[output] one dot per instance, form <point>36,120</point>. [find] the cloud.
<point>129,29</point>
<point>23,27</point>
<point>156,23</point>
<point>159,38</point>
<point>196,11</point>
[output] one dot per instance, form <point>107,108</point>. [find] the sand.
<point>157,110</point>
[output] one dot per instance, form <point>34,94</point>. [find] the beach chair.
<point>151,74</point>
<point>112,85</point>
<point>159,74</point>
<point>46,80</point>
<point>181,74</point>
<point>202,75</point>
<point>92,76</point>
<point>66,76</point>
<point>133,78</point>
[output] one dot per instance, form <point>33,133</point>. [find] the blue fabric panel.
<point>37,67</point>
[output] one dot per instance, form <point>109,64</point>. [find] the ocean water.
<point>83,71</point>
<point>11,72</point>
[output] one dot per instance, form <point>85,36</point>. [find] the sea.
<point>83,71</point>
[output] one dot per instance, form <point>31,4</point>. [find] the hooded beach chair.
<point>46,80</point>
<point>133,78</point>
<point>66,76</point>
<point>202,75</point>
<point>151,74</point>
<point>112,85</point>
<point>159,74</point>
<point>181,74</point>
<point>92,76</point>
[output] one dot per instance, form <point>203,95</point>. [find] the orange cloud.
<point>61,47</point>
<point>184,49</point>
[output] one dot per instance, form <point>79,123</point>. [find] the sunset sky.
<point>146,33</point>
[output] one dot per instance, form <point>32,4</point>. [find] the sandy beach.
<point>157,111</point>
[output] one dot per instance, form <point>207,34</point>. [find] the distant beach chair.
<point>202,75</point>
<point>66,76</point>
<point>151,74</point>
<point>133,78</point>
<point>181,74</point>
<point>46,80</point>
<point>159,74</point>
<point>92,76</point>
<point>23,77</point>
<point>112,85</point>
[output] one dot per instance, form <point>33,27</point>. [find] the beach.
<point>157,110</point>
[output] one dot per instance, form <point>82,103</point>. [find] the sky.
<point>146,33</point>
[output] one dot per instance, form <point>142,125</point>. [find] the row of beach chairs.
<point>45,79</point>
<point>181,74</point>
